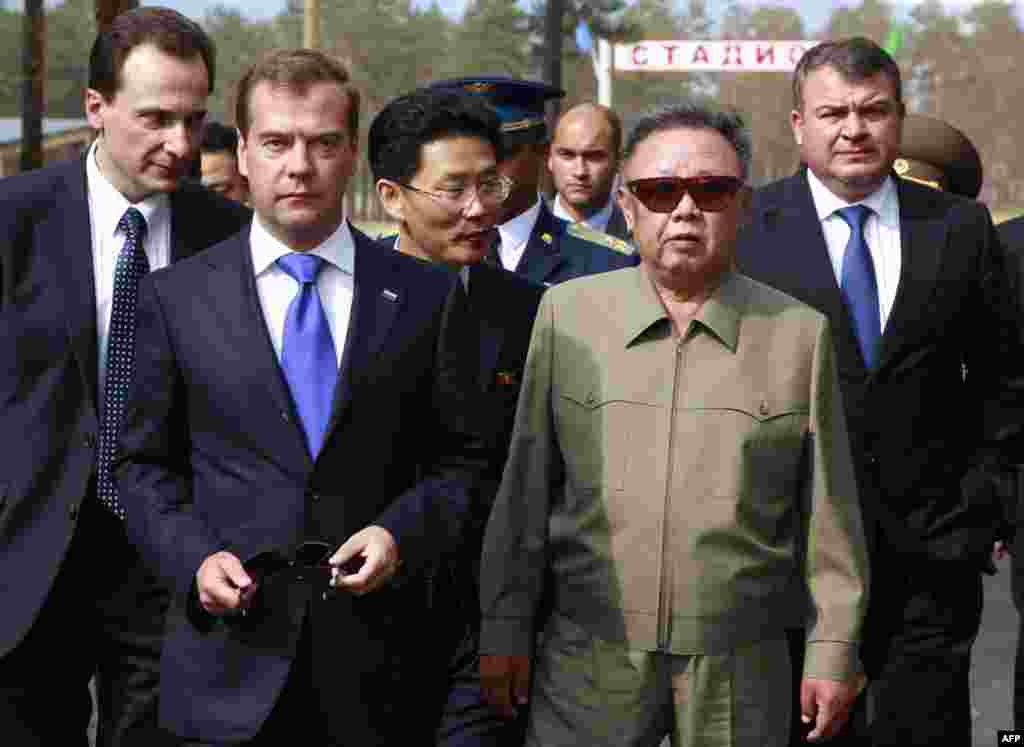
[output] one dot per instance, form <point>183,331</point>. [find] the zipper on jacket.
<point>667,573</point>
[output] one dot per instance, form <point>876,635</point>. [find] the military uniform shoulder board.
<point>598,237</point>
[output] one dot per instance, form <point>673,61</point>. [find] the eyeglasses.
<point>662,194</point>
<point>491,192</point>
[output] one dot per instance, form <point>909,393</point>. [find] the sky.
<point>814,12</point>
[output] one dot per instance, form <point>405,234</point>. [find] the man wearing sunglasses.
<point>915,284</point>
<point>531,241</point>
<point>434,154</point>
<point>679,483</point>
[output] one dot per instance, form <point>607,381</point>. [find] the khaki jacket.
<point>677,493</point>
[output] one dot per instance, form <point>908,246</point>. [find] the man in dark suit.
<point>296,385</point>
<point>584,164</point>
<point>434,155</point>
<point>1011,234</point>
<point>927,342</point>
<point>533,242</point>
<point>74,593</point>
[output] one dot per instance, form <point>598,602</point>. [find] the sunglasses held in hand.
<point>307,563</point>
<point>661,194</point>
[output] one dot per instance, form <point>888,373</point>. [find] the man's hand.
<point>827,703</point>
<point>223,584</point>
<point>366,561</point>
<point>505,681</point>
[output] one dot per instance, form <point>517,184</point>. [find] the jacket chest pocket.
<point>605,436</point>
<point>748,447</point>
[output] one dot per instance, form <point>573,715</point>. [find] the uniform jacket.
<point>49,422</point>
<point>213,458</point>
<point>557,251</point>
<point>942,414</point>
<point>684,533</point>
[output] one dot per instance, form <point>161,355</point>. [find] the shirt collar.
<point>598,221</point>
<point>882,201</point>
<point>719,315</point>
<point>338,248</point>
<point>517,230</point>
<point>109,205</point>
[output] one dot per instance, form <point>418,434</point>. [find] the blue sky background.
<point>814,12</point>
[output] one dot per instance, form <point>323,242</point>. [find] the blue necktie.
<point>859,286</point>
<point>308,355</point>
<point>131,266</point>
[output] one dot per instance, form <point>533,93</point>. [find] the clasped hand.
<point>225,587</point>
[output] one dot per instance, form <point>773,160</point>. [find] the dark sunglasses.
<point>661,194</point>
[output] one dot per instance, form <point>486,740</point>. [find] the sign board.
<point>710,56</point>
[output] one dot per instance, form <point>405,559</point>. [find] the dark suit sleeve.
<point>994,369</point>
<point>152,467</point>
<point>431,516</point>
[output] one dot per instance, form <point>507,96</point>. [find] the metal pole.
<point>604,63</point>
<point>311,25</point>
<point>553,15</point>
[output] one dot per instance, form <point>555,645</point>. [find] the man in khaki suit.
<point>680,477</point>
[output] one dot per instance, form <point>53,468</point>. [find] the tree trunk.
<point>553,15</point>
<point>33,90</point>
<point>108,10</point>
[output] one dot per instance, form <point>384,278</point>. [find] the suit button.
<point>285,416</point>
<point>73,512</point>
<point>315,497</point>
<point>89,440</point>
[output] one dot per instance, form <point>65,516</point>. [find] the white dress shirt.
<point>106,208</point>
<point>598,221</point>
<point>515,235</point>
<point>881,232</point>
<point>276,288</point>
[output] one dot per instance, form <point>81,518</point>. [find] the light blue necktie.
<point>859,286</point>
<point>308,355</point>
<point>132,265</point>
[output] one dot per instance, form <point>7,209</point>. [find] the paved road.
<point>992,670</point>
<point>992,661</point>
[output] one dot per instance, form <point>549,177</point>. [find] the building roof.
<point>10,127</point>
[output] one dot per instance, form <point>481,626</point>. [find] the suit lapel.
<point>484,300</point>
<point>541,258</point>
<point>375,305</point>
<point>239,305</point>
<point>68,234</point>
<point>807,261</point>
<point>922,240</point>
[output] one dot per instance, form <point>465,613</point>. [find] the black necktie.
<point>131,266</point>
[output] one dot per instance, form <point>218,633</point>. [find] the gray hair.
<point>690,115</point>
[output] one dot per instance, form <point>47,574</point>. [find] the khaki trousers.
<point>588,692</point>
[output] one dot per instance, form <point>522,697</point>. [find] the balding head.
<point>584,158</point>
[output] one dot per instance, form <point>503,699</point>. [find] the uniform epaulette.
<point>598,237</point>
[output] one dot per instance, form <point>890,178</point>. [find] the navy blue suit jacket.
<point>213,458</point>
<point>554,255</point>
<point>48,367</point>
<point>933,428</point>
